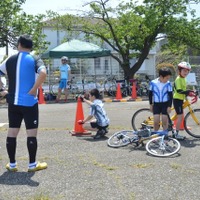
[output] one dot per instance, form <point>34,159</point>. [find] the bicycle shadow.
<point>135,148</point>
<point>18,178</point>
<point>142,148</point>
<point>190,142</point>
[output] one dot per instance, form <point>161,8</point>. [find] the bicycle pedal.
<point>120,137</point>
<point>142,143</point>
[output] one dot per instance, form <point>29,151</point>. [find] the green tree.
<point>171,54</point>
<point>14,22</point>
<point>131,29</point>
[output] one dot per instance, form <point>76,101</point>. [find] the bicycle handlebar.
<point>195,98</point>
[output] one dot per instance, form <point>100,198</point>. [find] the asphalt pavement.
<point>87,169</point>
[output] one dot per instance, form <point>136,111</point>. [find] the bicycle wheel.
<point>126,91</point>
<point>112,90</point>
<point>53,89</point>
<point>192,123</point>
<point>108,84</point>
<point>122,138</point>
<point>143,115</point>
<point>163,147</point>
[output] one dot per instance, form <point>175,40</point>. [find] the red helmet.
<point>184,65</point>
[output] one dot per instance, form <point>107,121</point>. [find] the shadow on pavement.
<point>91,139</point>
<point>18,178</point>
<point>190,142</point>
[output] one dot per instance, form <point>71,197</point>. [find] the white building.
<point>96,66</point>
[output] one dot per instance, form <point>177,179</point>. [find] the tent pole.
<point>49,73</point>
<point>80,71</point>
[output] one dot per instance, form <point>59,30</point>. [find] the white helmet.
<point>64,58</point>
<point>184,65</point>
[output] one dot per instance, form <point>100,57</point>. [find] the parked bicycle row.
<point>107,87</point>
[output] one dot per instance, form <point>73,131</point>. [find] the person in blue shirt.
<point>25,75</point>
<point>65,72</point>
<point>97,120</point>
<point>160,98</point>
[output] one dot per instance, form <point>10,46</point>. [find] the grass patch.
<point>142,165</point>
<point>132,196</point>
<point>107,167</point>
<point>37,197</point>
<point>175,166</point>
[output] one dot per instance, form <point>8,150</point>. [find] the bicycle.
<point>126,88</point>
<point>159,144</point>
<point>191,120</point>
<point>110,86</point>
<point>142,89</point>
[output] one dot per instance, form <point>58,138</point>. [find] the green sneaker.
<point>11,169</point>
<point>39,166</point>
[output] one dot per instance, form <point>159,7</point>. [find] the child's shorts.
<point>95,125</point>
<point>160,108</point>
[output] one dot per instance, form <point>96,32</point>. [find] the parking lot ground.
<point>87,169</point>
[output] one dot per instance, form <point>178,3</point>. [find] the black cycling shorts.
<point>18,113</point>
<point>160,108</point>
<point>178,106</point>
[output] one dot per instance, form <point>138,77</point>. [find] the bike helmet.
<point>64,58</point>
<point>184,65</point>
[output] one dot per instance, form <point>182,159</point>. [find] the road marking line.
<point>2,124</point>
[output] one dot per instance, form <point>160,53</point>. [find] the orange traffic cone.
<point>41,96</point>
<point>182,124</point>
<point>118,94</point>
<point>134,93</point>
<point>78,128</point>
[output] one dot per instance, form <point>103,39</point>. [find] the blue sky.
<point>40,6</point>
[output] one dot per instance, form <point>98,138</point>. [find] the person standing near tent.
<point>65,72</point>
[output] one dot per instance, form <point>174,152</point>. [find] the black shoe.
<point>104,131</point>
<point>179,137</point>
<point>99,134</point>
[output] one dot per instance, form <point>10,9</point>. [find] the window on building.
<point>106,65</point>
<point>97,63</point>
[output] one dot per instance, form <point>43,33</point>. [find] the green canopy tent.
<point>77,49</point>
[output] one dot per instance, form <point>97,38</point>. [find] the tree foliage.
<point>14,22</point>
<point>130,29</point>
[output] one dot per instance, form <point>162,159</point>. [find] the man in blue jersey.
<point>65,71</point>
<point>160,98</point>
<point>23,82</point>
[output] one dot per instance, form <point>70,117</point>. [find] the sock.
<point>32,165</point>
<point>32,148</point>
<point>11,143</point>
<point>13,165</point>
